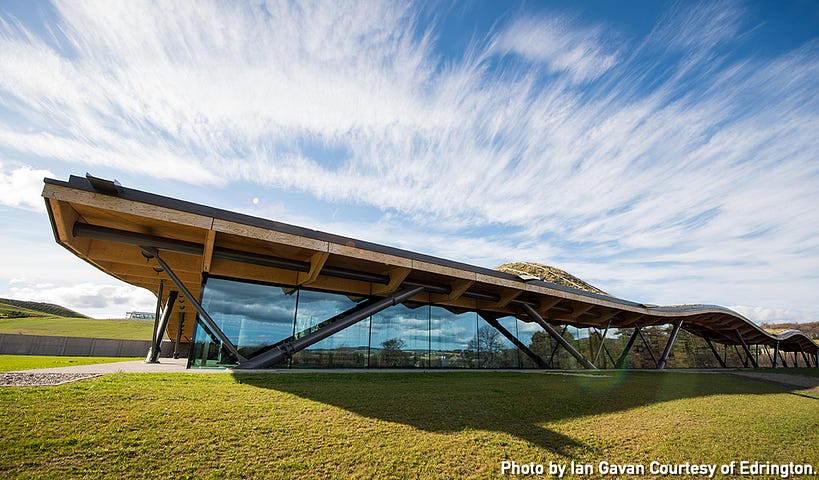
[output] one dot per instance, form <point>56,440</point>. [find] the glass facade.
<point>256,317</point>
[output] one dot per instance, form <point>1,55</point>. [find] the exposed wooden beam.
<point>506,296</point>
<point>397,276</point>
<point>546,304</point>
<point>207,253</point>
<point>64,218</point>
<point>457,288</point>
<point>317,261</point>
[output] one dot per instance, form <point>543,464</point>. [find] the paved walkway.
<point>166,365</point>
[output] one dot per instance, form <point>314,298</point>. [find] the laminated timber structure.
<point>173,248</point>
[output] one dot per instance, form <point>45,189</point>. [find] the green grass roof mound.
<point>530,270</point>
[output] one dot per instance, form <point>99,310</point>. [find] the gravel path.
<point>41,379</point>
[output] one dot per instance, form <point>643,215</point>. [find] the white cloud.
<point>581,52</point>
<point>21,187</point>
<point>96,300</point>
<point>633,163</point>
<point>774,315</point>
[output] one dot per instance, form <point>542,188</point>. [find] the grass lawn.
<point>394,425</point>
<point>78,327</point>
<point>27,362</point>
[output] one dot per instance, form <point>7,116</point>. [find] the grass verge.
<point>393,425</point>
<point>78,327</point>
<point>10,363</point>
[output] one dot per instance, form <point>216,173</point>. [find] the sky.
<point>664,152</point>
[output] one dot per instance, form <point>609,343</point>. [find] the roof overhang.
<point>108,225</point>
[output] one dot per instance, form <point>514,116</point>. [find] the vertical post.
<point>178,334</point>
<point>162,326</point>
<point>602,342</point>
<point>776,355</point>
<point>668,346</point>
<point>714,350</point>
<point>150,358</point>
<point>621,360</point>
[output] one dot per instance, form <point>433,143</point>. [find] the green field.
<point>27,362</point>
<point>78,327</point>
<point>394,425</point>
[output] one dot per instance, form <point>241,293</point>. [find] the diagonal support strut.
<point>152,252</point>
<point>668,346</point>
<point>506,333</point>
<point>532,313</point>
<point>344,320</point>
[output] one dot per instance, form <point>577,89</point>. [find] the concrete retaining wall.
<point>12,344</point>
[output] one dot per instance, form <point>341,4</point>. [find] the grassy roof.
<point>549,274</point>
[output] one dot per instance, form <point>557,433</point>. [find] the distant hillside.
<point>549,274</point>
<point>20,308</point>
<point>810,329</point>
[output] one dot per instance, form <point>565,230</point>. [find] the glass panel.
<point>495,350</point>
<point>347,348</point>
<point>206,351</point>
<point>532,335</point>
<point>453,339</point>
<point>252,316</point>
<point>400,337</point>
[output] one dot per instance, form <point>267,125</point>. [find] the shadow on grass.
<point>519,404</point>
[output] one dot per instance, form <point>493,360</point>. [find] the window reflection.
<point>347,348</point>
<point>412,335</point>
<point>454,340</point>
<point>400,337</point>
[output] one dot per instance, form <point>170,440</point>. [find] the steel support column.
<point>344,320</point>
<point>714,350</point>
<point>748,353</point>
<point>556,347</point>
<point>648,347</point>
<point>152,252</point>
<point>506,333</point>
<point>532,313</point>
<point>776,355</point>
<point>178,334</point>
<point>150,358</point>
<point>154,358</point>
<point>623,356</point>
<point>668,346</point>
<point>602,342</point>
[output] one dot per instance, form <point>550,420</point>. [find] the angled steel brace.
<point>153,356</point>
<point>152,252</point>
<point>739,356</point>
<point>506,333</point>
<point>768,352</point>
<point>556,347</point>
<point>668,346</point>
<point>648,347</point>
<point>714,350</point>
<point>608,354</point>
<point>532,313</point>
<point>748,353</point>
<point>602,341</point>
<point>343,320</point>
<point>623,356</point>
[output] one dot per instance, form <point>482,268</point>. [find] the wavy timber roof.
<point>116,229</point>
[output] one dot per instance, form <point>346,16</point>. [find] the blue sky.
<point>664,152</point>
